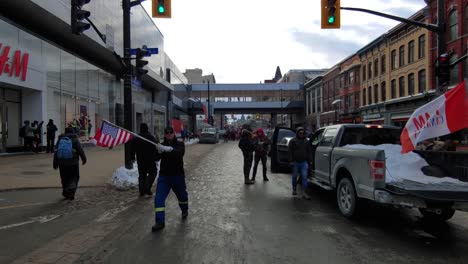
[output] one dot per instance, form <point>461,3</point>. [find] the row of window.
<point>374,68</point>
<point>369,93</point>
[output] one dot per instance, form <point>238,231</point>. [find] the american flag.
<point>111,135</point>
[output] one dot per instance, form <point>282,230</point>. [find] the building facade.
<point>456,37</point>
<point>394,69</point>
<point>49,73</point>
<point>314,103</point>
<point>331,87</point>
<point>350,90</point>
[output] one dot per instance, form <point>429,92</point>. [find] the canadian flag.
<point>444,115</point>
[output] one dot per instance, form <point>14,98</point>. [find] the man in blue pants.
<point>298,152</point>
<point>171,176</point>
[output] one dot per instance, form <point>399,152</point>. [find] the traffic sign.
<point>150,51</point>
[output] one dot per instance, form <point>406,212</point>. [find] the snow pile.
<point>407,166</point>
<point>192,141</point>
<point>125,179</point>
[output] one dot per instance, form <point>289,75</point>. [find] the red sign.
<point>19,66</point>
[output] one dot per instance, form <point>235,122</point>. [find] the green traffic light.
<point>161,9</point>
<point>331,20</point>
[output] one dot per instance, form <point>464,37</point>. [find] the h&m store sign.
<point>17,67</point>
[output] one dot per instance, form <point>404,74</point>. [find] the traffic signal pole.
<point>127,76</point>
<point>441,45</point>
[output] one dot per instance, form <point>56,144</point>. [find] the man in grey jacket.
<point>298,152</point>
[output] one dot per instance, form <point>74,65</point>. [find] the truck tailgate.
<point>436,192</point>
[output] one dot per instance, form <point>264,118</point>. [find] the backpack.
<point>65,148</point>
<point>22,131</point>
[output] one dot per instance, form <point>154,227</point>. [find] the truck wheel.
<point>444,214</point>
<point>346,198</point>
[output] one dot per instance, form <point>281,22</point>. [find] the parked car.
<point>358,174</point>
<point>222,134</point>
<point>209,135</point>
<point>279,148</point>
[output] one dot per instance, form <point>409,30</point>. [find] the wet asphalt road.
<point>229,222</point>
<point>262,223</point>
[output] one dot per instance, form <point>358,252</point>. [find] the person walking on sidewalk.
<point>171,176</point>
<point>247,146</point>
<point>261,150</point>
<point>298,153</point>
<point>66,159</point>
<point>51,129</point>
<point>146,156</point>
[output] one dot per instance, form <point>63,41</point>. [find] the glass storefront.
<point>70,91</point>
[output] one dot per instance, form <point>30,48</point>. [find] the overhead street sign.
<point>151,51</point>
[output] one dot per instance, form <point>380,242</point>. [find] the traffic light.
<point>161,8</point>
<point>140,63</point>
<point>443,72</point>
<point>330,13</point>
<point>78,15</point>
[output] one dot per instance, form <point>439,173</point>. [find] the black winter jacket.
<point>146,153</point>
<point>172,163</point>
<point>246,143</point>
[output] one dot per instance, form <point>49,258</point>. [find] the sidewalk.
<point>35,170</point>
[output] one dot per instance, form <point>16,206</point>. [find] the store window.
<point>411,51</point>
<point>453,25</point>
<point>422,81</point>
<point>454,70</point>
<point>376,93</point>
<point>393,88</point>
<point>364,96</point>
<point>369,95</point>
<point>401,61</point>
<point>401,86</point>
<point>422,46</point>
<point>383,91</point>
<point>411,84</point>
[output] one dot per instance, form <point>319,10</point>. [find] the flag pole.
<point>134,134</point>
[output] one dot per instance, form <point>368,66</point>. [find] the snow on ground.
<point>405,166</point>
<point>192,141</point>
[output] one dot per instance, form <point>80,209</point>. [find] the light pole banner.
<point>442,116</point>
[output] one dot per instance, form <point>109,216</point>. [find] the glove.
<point>162,148</point>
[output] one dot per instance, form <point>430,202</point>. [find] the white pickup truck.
<point>357,174</point>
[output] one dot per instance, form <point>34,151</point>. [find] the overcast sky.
<point>242,41</point>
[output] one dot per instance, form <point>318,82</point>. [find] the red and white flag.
<point>111,135</point>
<point>444,115</point>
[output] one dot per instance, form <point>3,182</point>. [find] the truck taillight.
<point>377,169</point>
